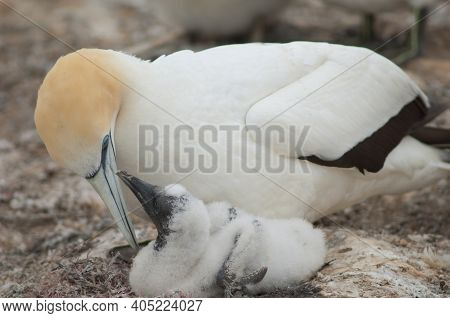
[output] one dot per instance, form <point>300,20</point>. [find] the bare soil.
<point>53,226</point>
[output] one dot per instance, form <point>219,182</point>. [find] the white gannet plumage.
<point>360,109</point>
<point>208,249</point>
<point>215,17</point>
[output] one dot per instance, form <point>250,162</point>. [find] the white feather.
<point>254,82</point>
<point>202,239</point>
<point>214,17</point>
<point>369,90</point>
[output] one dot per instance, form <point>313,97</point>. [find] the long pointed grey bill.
<point>106,184</point>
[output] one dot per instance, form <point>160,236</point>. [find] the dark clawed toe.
<point>254,277</point>
<point>232,285</point>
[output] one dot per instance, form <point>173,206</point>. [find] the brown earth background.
<point>55,230</point>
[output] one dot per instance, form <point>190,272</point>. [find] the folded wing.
<point>356,107</point>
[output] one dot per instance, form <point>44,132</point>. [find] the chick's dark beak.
<point>144,192</point>
<point>157,204</point>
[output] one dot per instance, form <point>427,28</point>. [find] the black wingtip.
<point>433,136</point>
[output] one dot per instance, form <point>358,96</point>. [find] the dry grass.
<point>87,277</point>
<point>46,213</point>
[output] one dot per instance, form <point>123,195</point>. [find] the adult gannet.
<point>203,250</point>
<point>360,110</point>
<point>215,17</point>
<point>369,8</point>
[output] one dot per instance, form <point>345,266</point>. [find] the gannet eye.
<point>92,174</point>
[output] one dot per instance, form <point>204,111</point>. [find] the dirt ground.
<point>53,225</point>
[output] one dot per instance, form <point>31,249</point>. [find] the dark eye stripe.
<point>103,158</point>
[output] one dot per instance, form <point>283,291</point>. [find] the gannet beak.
<point>107,186</point>
<point>156,203</point>
<point>144,192</point>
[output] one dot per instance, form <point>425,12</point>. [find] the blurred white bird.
<point>216,249</point>
<point>216,18</point>
<point>369,8</point>
<point>364,118</point>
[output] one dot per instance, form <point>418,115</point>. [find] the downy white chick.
<point>216,249</point>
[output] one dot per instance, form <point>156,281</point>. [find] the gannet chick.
<point>215,249</point>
